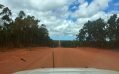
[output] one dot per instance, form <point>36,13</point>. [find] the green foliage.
<point>65,43</point>
<point>1,6</point>
<point>99,33</point>
<point>69,43</point>
<point>23,31</point>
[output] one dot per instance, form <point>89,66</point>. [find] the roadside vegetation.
<point>100,34</point>
<point>24,31</point>
<point>65,43</point>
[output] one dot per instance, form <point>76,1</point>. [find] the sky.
<point>64,18</point>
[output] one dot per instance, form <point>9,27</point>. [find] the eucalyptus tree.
<point>93,32</point>
<point>5,20</point>
<point>112,27</point>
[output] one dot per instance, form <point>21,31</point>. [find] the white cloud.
<point>87,10</point>
<point>39,5</point>
<point>54,13</point>
<point>81,1</point>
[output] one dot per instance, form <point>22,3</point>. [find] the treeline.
<point>65,43</point>
<point>21,32</point>
<point>100,34</point>
<point>24,31</point>
<point>69,43</point>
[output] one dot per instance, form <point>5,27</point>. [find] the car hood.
<point>68,71</point>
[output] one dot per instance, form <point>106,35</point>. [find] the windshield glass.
<point>65,34</point>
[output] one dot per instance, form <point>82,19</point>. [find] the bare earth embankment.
<point>24,59</point>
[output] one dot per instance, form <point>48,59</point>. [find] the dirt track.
<point>63,57</point>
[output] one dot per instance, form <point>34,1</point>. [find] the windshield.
<point>65,34</point>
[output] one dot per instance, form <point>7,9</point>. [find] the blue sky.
<point>112,7</point>
<point>64,37</point>
<point>64,18</point>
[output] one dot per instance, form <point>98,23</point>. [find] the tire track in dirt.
<point>63,58</point>
<point>81,58</point>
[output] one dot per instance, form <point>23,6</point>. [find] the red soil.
<point>23,59</point>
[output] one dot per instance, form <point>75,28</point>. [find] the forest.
<point>100,34</point>
<point>25,31</point>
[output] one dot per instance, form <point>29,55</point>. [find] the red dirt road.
<point>86,57</point>
<point>24,59</point>
<point>37,58</point>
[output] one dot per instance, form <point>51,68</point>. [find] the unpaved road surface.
<point>23,59</point>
